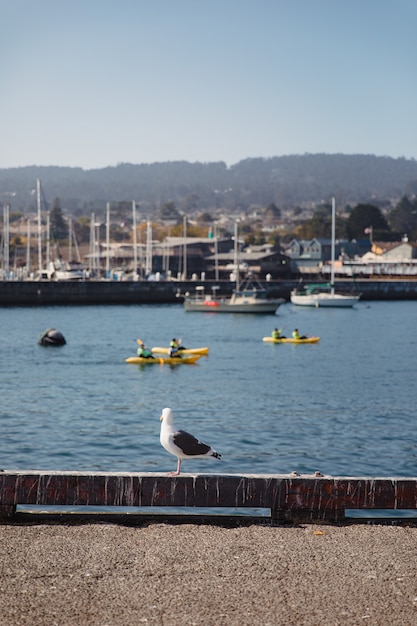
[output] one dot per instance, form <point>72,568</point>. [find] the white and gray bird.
<point>181,444</point>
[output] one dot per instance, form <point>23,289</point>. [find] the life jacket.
<point>144,352</point>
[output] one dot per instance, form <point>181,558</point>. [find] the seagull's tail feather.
<point>216,455</point>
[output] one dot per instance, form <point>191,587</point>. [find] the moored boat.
<point>322,296</point>
<point>250,297</point>
<point>247,297</point>
<point>325,295</point>
<point>291,340</point>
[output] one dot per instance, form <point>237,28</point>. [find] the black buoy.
<point>52,337</point>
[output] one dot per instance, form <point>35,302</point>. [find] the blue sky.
<point>93,83</point>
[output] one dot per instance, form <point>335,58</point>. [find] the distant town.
<point>186,239</point>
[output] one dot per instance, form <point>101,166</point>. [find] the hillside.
<point>288,181</point>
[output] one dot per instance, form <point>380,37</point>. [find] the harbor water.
<point>344,406</point>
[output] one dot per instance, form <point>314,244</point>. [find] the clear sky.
<point>93,83</point>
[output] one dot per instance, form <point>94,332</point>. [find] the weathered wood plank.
<point>302,497</point>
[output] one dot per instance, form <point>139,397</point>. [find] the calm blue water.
<point>346,406</point>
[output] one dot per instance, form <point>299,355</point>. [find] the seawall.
<point>49,293</point>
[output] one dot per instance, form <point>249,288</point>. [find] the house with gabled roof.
<point>398,251</point>
<point>309,255</point>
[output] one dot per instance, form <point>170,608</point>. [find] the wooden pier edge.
<point>302,498</point>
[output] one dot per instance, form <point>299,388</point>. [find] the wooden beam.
<point>288,497</point>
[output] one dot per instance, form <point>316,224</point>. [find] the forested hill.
<point>287,181</point>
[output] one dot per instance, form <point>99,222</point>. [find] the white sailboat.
<point>324,295</point>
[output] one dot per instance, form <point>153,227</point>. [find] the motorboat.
<point>250,297</point>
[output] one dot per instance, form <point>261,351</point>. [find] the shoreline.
<point>105,574</point>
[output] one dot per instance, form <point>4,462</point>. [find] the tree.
<point>168,211</point>
<point>82,229</point>
<point>320,225</point>
<point>205,217</point>
<point>403,218</point>
<point>272,214</point>
<point>59,227</point>
<point>364,216</point>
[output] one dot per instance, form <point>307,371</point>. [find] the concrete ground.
<point>191,574</point>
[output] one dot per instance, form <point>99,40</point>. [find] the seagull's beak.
<point>161,418</point>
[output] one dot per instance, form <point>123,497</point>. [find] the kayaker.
<point>174,347</point>
<point>144,352</point>
<point>296,334</point>
<point>277,333</point>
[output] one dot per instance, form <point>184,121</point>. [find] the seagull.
<point>181,444</point>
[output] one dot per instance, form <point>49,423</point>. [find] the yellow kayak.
<point>200,351</point>
<point>140,360</point>
<point>291,340</point>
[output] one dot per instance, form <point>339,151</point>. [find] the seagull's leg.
<point>177,473</point>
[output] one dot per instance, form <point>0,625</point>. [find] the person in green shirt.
<point>144,352</point>
<point>296,334</point>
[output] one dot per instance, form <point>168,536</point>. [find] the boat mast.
<point>6,242</point>
<point>185,247</point>
<point>135,243</point>
<point>70,240</point>
<point>216,253</point>
<point>91,263</point>
<point>148,260</point>
<point>108,240</point>
<point>236,259</point>
<point>48,240</point>
<point>333,245</point>
<point>28,249</point>
<point>38,201</point>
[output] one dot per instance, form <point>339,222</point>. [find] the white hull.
<point>324,300</point>
<point>228,306</point>
<point>58,270</point>
<point>68,275</point>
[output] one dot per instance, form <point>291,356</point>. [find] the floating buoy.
<point>52,337</point>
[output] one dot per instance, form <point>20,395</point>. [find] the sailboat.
<point>324,295</point>
<point>247,297</point>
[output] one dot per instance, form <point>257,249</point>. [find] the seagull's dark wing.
<point>189,444</point>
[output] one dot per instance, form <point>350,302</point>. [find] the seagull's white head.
<point>166,416</point>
